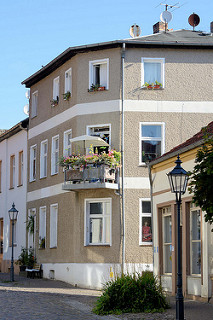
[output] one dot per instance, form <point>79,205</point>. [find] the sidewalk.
<point>51,299</point>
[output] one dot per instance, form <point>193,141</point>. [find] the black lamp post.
<point>178,179</point>
<point>13,216</point>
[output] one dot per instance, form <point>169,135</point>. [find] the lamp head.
<point>13,212</point>
<point>178,178</point>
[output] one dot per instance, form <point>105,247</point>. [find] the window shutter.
<point>103,75</point>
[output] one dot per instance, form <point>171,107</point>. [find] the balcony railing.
<point>91,177</point>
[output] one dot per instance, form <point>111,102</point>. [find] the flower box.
<point>74,175</point>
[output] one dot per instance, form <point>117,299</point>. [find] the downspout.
<point>122,159</point>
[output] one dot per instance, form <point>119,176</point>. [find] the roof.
<point>195,141</point>
<point>172,39</point>
<point>15,129</point>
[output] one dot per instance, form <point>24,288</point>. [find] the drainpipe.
<point>122,158</point>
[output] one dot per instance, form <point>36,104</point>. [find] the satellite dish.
<point>27,94</point>
<point>194,20</point>
<point>135,31</point>
<point>166,16</point>
<point>26,109</point>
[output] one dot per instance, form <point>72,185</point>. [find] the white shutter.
<point>42,222</point>
<point>103,75</point>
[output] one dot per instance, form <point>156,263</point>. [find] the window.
<point>12,171</point>
<point>103,131</point>
<point>68,81</point>
<point>56,89</point>
<point>195,240</point>
<point>152,139</point>
<point>98,221</point>
<point>55,155</point>
<point>167,240</point>
<point>42,227</point>
<point>145,222</point>
<point>152,70</point>
<point>14,233</point>
<point>1,235</point>
<point>43,159</point>
<point>31,227</point>
<point>0,173</point>
<point>67,143</point>
<point>99,73</point>
<point>33,150</point>
<point>53,225</point>
<point>34,105</point>
<point>21,168</point>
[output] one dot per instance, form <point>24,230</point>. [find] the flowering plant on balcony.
<point>111,158</point>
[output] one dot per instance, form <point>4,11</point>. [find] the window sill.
<point>11,188</point>
<point>20,185</point>
<point>53,247</point>
<point>98,245</point>
<point>152,88</point>
<point>145,244</point>
<point>142,164</point>
<point>32,180</point>
<point>43,177</point>
<point>54,174</point>
<point>98,90</point>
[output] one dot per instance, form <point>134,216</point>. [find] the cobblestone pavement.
<point>29,299</point>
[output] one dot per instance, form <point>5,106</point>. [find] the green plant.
<point>94,87</point>
<point>132,293</point>
<point>201,184</point>
<point>23,257</point>
<point>54,102</point>
<point>42,243</point>
<point>158,83</point>
<point>31,257</point>
<point>67,95</point>
<point>30,224</point>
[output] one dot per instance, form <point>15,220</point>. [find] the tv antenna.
<point>166,16</point>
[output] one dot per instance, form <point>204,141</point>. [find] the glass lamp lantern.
<point>13,213</point>
<point>178,178</point>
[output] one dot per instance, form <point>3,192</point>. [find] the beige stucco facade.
<point>182,106</point>
<point>197,283</point>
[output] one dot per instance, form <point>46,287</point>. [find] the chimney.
<point>211,27</point>
<point>159,27</point>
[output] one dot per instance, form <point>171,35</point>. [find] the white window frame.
<point>32,212</point>
<point>53,226</point>
<point>56,88</point>
<point>43,157</point>
<point>141,215</point>
<point>86,221</point>
<point>91,71</point>
<point>162,139</point>
<point>99,126</point>
<point>34,105</point>
<point>32,161</point>
<point>153,60</point>
<point>68,81</point>
<point>55,152</point>
<point>21,168</point>
<point>194,208</point>
<point>66,145</point>
<point>44,209</point>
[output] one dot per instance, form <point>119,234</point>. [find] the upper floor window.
<point>31,227</point>
<point>21,168</point>
<point>56,89</point>
<point>98,221</point>
<point>12,171</point>
<point>34,104</point>
<point>152,140</point>
<point>99,73</point>
<point>152,70</point>
<point>33,150</point>
<point>145,222</point>
<point>104,132</point>
<point>43,159</point>
<point>67,144</point>
<point>55,155</point>
<point>68,81</point>
<point>195,247</point>
<point>53,225</point>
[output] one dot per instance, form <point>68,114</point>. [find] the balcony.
<point>91,177</point>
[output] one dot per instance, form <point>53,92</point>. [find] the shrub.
<point>132,293</point>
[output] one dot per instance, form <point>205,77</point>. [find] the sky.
<point>34,32</point>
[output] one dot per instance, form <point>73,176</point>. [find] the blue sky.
<point>33,32</point>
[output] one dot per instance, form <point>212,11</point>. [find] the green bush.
<point>132,293</point>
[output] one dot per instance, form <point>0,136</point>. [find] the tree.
<point>201,184</point>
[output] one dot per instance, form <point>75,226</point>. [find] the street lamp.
<point>178,179</point>
<point>13,216</point>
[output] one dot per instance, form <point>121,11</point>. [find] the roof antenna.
<point>166,15</point>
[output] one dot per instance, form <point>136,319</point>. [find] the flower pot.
<point>150,87</point>
<point>157,87</point>
<point>101,88</point>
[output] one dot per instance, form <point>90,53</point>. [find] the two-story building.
<point>87,232</point>
<point>13,188</point>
